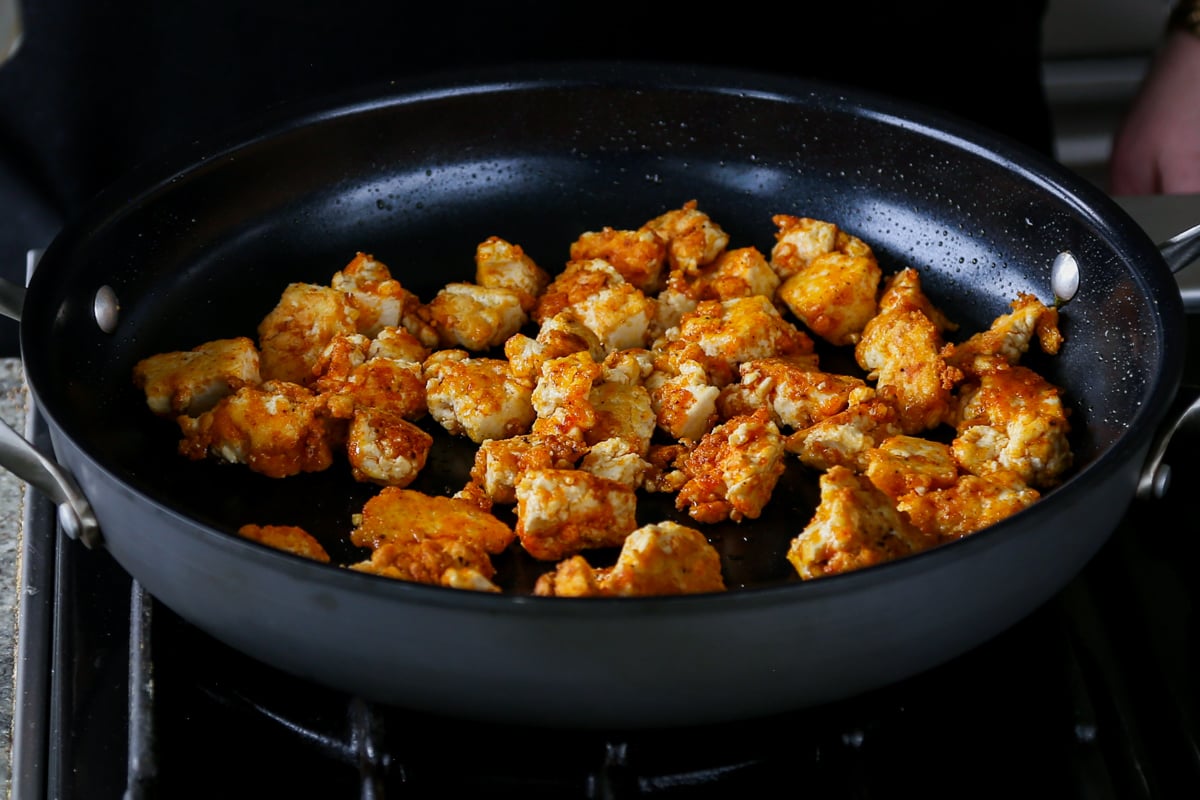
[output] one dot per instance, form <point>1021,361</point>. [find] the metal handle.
<point>1156,475</point>
<point>22,459</point>
<point>1181,249</point>
<point>12,299</point>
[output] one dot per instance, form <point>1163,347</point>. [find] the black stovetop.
<point>1094,695</point>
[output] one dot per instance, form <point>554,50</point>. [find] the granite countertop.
<point>13,404</point>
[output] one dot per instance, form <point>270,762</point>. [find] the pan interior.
<point>418,180</point>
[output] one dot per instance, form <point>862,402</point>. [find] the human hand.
<point>1156,149</point>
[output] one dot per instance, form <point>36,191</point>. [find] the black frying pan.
<point>201,246</point>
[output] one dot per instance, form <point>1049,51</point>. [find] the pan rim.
<point>1086,200</point>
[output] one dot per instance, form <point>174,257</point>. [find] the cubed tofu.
<point>558,336</point>
<point>562,396</point>
<point>561,512</point>
<point>729,332</point>
<point>639,255</point>
<point>903,465</point>
<point>631,365</point>
<point>665,558</point>
<point>669,307</point>
<point>1014,420</point>
<point>276,429</point>
<point>192,381</point>
<point>693,238</point>
<point>741,272</point>
<point>385,448</point>
<point>622,411</point>
<point>1010,336</point>
<point>453,563</point>
<point>378,297</point>
<point>902,291</point>
<point>902,350</point>
<point>855,526</point>
<point>613,459</point>
<point>798,240</point>
<point>971,504</point>
<point>796,393</point>
<point>475,317</point>
<point>503,265</point>
<point>294,334</point>
<point>663,362</point>
<point>500,463</point>
<point>391,386</point>
<point>288,538</point>
<point>476,397</point>
<point>398,344</point>
<point>615,310</point>
<point>845,438</point>
<point>684,399</point>
<point>400,515</point>
<point>344,353</point>
<point>733,470</point>
<point>834,296</point>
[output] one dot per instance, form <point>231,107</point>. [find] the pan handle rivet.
<point>1064,277</point>
<point>1155,484</point>
<point>106,309</point>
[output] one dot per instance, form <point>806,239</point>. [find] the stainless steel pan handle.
<point>1182,248</point>
<point>12,299</point>
<point>1179,251</point>
<point>75,513</point>
<point>21,458</point>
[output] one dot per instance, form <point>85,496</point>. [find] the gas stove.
<point>1096,694</point>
